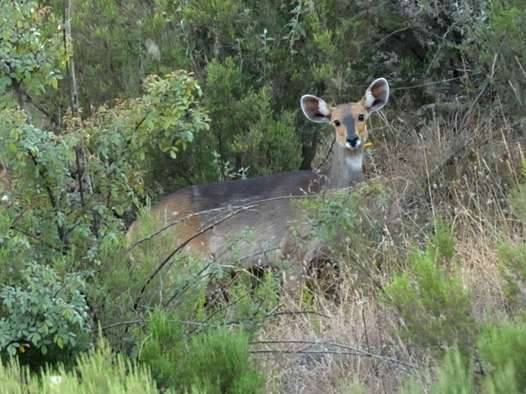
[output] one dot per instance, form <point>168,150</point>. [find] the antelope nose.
<point>352,141</point>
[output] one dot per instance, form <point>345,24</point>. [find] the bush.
<point>60,219</point>
<point>493,45</point>
<point>211,361</point>
<point>43,314</point>
<point>502,350</point>
<point>512,258</point>
<point>436,308</point>
<point>97,372</point>
<point>500,361</point>
<point>455,375</point>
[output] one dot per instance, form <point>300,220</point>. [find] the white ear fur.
<point>376,95</point>
<point>315,109</point>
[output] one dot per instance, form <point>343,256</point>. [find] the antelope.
<point>210,216</point>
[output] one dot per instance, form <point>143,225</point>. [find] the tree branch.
<point>347,350</point>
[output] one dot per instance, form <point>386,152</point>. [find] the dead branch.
<point>347,350</point>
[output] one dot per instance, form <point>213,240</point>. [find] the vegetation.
<point>106,106</point>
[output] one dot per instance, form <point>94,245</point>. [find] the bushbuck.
<point>204,220</point>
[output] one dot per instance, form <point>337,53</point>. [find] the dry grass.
<point>460,170</point>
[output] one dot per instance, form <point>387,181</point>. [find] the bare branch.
<point>347,350</point>
<point>297,313</point>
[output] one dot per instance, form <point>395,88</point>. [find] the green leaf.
<point>11,349</point>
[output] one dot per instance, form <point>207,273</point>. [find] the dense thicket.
<point>108,105</point>
<point>254,61</point>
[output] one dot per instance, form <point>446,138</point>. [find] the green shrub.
<point>502,350</point>
<point>61,235</point>
<point>512,258</point>
<point>211,361</point>
<point>436,308</point>
<point>44,313</point>
<point>219,362</point>
<point>512,268</point>
<point>495,47</point>
<point>95,373</point>
<point>454,376</point>
<point>500,357</point>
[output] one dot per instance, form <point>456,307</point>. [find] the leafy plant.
<point>210,361</point>
<point>42,311</point>
<point>436,307</point>
<point>512,258</point>
<point>500,355</point>
<point>31,58</point>
<point>502,348</point>
<point>98,371</point>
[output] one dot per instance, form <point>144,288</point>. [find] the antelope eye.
<point>361,118</point>
<point>337,123</point>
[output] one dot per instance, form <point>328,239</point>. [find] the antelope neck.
<point>346,168</point>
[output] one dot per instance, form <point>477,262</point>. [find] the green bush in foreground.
<point>501,365</point>
<point>436,308</point>
<point>211,361</point>
<point>99,372</point>
<point>43,318</point>
<point>512,257</point>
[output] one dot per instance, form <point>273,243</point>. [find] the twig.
<point>124,323</point>
<point>391,34</point>
<point>365,330</point>
<point>143,321</point>
<point>350,350</point>
<point>296,313</point>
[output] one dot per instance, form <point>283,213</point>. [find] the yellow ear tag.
<point>368,145</point>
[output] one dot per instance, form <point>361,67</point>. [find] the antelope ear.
<point>315,109</point>
<point>376,95</point>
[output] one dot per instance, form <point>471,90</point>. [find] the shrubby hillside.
<point>107,106</point>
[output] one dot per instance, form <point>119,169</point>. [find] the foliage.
<point>116,141</point>
<point>455,375</point>
<point>60,218</point>
<point>435,306</point>
<point>512,267</point>
<point>512,258</point>
<point>120,139</point>
<point>502,348</point>
<point>496,44</point>
<point>30,58</point>
<point>500,354</point>
<point>57,229</point>
<point>250,136</point>
<point>258,60</point>
<point>42,312</point>
<point>209,361</point>
<point>99,371</point>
